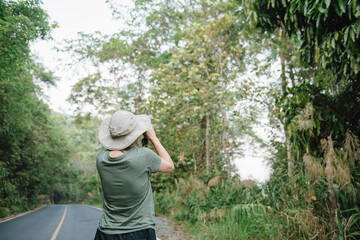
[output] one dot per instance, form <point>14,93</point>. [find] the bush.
<point>231,210</point>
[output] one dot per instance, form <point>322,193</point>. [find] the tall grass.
<point>243,221</point>
<point>283,208</point>
<point>231,211</point>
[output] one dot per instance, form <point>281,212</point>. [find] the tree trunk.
<point>289,156</point>
<point>226,150</point>
<point>282,60</point>
<point>116,93</point>
<point>207,142</point>
<point>283,86</point>
<point>213,160</point>
<point>194,164</point>
<point>329,172</point>
<point>139,94</point>
<point>292,77</point>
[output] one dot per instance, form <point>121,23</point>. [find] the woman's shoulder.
<point>143,151</point>
<point>102,153</point>
<point>140,150</point>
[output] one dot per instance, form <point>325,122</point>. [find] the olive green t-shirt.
<point>128,203</point>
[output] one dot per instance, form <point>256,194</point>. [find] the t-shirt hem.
<point>117,231</point>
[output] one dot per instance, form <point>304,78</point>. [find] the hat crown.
<point>121,123</point>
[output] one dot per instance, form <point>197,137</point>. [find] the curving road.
<point>60,222</point>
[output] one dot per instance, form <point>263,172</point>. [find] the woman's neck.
<point>116,153</point>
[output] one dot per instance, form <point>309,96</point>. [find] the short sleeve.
<point>152,160</point>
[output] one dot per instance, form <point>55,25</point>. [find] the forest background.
<point>198,68</point>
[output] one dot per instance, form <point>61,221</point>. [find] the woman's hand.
<point>150,133</point>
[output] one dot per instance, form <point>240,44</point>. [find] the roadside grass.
<point>232,211</point>
<point>241,222</point>
<point>97,205</point>
<point>94,200</point>
<point>20,211</point>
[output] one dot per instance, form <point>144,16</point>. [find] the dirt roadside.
<point>167,229</point>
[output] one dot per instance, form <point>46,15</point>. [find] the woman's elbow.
<point>166,167</point>
<point>171,167</point>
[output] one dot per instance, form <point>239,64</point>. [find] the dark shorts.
<point>146,234</point>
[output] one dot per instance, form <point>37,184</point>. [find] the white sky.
<point>88,16</point>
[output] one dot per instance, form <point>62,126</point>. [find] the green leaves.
<point>20,23</point>
<point>195,84</point>
<point>342,6</point>
<point>33,148</point>
<point>346,34</point>
<point>316,22</point>
<point>327,2</point>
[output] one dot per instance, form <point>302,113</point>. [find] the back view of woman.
<point>124,169</point>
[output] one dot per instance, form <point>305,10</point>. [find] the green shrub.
<point>234,211</point>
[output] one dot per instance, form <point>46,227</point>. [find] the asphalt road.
<point>60,222</point>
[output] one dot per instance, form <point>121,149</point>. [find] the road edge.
<point>100,209</point>
<point>6,219</point>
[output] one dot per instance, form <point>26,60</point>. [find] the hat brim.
<point>119,143</point>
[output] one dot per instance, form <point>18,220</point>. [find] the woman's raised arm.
<point>166,164</point>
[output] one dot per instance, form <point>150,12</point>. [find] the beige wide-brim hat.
<point>120,130</point>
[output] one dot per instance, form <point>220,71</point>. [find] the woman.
<point>124,169</point>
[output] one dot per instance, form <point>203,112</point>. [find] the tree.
<point>33,149</point>
<point>322,108</point>
<point>329,31</point>
<point>146,51</point>
<point>193,92</point>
